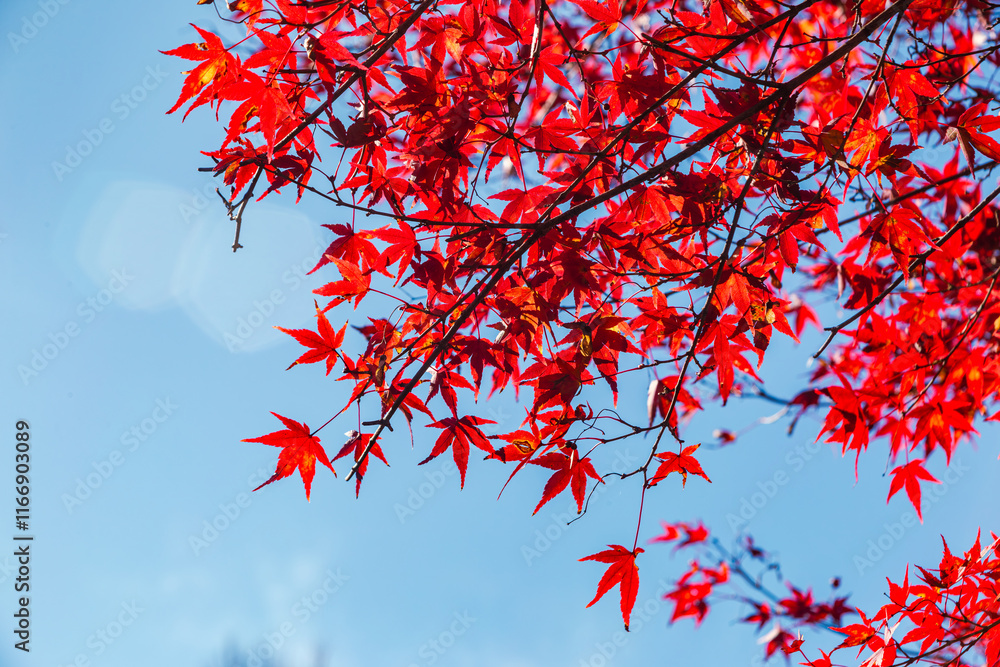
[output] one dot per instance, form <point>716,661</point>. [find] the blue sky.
<point>140,349</point>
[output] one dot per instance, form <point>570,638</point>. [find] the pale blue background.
<point>136,204</point>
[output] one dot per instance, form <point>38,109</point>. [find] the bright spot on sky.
<point>175,247</point>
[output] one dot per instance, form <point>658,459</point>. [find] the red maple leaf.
<point>683,463</point>
<point>324,342</point>
<point>670,533</point>
<point>215,71</point>
<point>300,449</point>
<point>568,468</point>
<point>264,99</point>
<point>857,633</point>
<point>910,475</point>
<point>622,571</point>
<point>350,246</point>
<point>970,131</point>
<point>606,16</point>
<point>354,284</point>
<point>358,443</point>
<point>251,8</point>
<point>402,247</point>
<point>459,434</point>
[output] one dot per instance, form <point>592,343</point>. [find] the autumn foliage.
<point>583,192</point>
<point>947,616</point>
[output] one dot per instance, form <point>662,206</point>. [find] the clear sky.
<point>140,350</point>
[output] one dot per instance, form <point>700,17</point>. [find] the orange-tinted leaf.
<point>216,67</point>
<point>354,284</point>
<point>857,634</point>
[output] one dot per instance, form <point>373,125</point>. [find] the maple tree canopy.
<point>576,192</point>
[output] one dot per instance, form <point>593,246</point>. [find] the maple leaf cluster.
<point>549,195</point>
<point>715,567</point>
<point>951,618</point>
